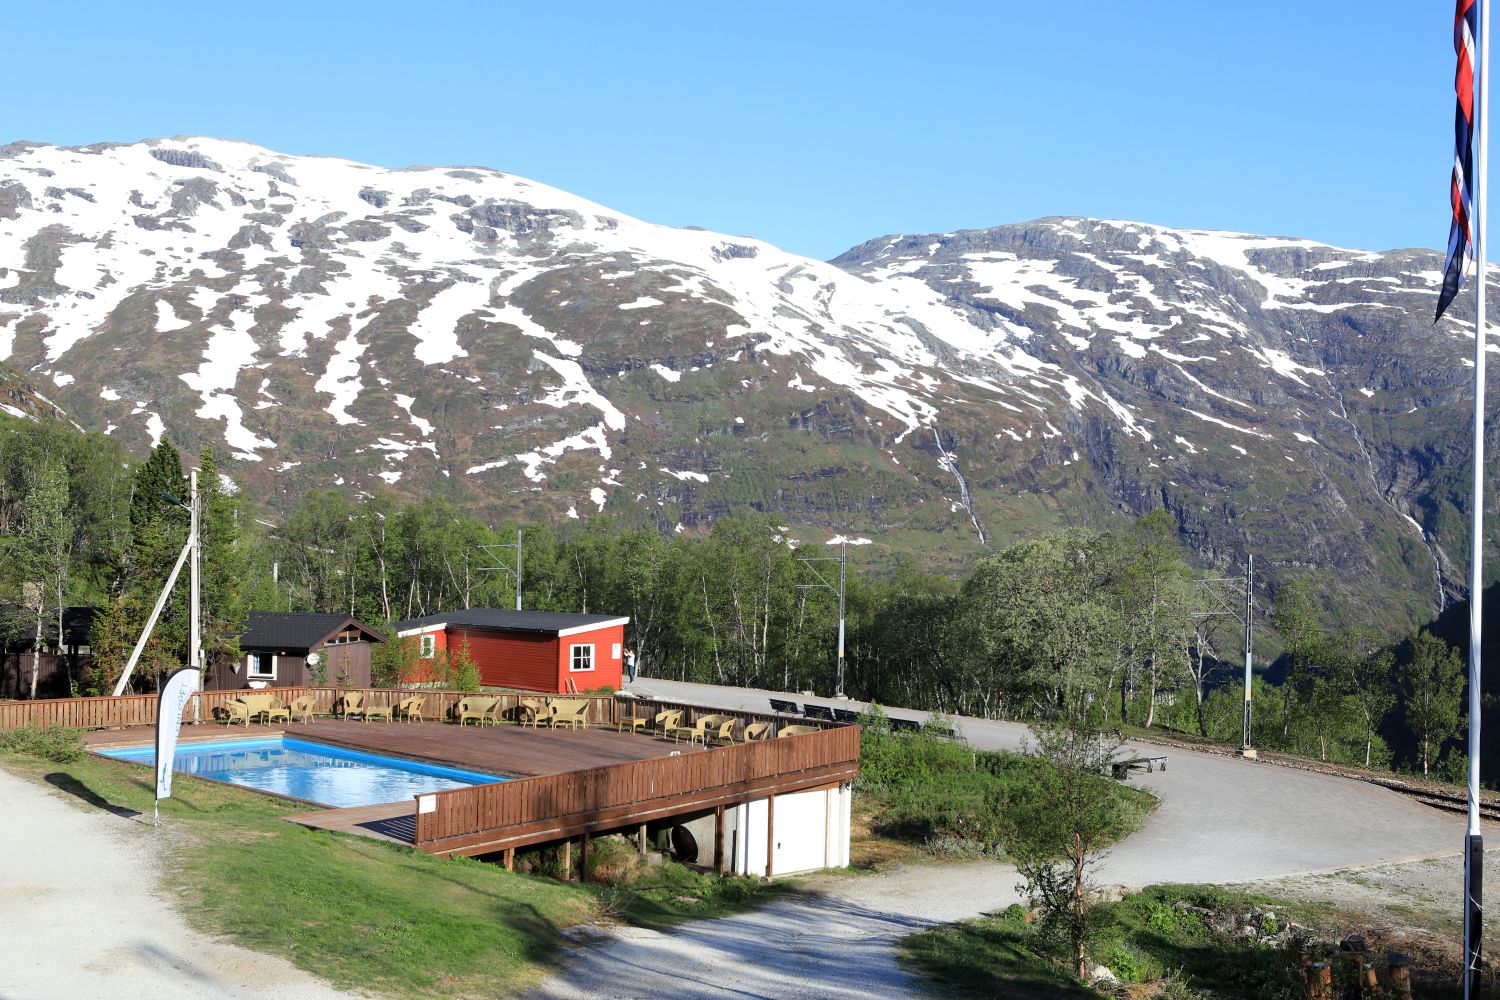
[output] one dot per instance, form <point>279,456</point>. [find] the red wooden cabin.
<point>530,650</point>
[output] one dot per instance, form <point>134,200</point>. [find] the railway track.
<point>1437,798</point>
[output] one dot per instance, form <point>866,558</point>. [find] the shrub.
<point>58,744</point>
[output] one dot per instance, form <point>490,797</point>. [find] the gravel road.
<point>1221,820</point>
<point>83,918</point>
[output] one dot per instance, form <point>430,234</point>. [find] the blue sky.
<point>813,125</point>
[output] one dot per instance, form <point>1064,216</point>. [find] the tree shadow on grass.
<point>67,783</point>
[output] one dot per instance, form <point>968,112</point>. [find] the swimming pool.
<point>316,772</point>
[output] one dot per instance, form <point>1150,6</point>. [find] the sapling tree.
<point>1058,826</point>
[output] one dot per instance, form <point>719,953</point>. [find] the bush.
<point>58,744</point>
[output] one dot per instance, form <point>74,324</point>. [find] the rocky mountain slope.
<point>470,334</point>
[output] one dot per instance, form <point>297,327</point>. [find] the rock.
<point>276,170</point>
<point>186,158</point>
<point>1099,974</point>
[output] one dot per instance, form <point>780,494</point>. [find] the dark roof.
<point>77,623</point>
<point>550,622</point>
<point>285,630</point>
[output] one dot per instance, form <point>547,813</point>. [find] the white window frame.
<point>427,646</point>
<point>573,648</point>
<point>253,663</point>
<point>615,651</point>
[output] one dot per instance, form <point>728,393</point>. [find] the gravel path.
<point>1221,820</point>
<point>83,919</point>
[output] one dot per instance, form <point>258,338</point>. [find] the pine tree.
<point>110,641</point>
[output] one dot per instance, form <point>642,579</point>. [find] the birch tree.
<point>47,535</point>
<point>1432,684</point>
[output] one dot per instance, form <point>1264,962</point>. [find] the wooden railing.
<point>140,709</point>
<point>486,818</point>
<point>650,706</point>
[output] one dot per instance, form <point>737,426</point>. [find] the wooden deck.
<point>518,751</point>
<point>391,821</point>
<point>566,783</point>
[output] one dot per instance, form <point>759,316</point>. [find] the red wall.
<point>422,670</point>
<point>535,662</point>
<point>511,659</point>
<point>540,663</point>
<point>607,667</point>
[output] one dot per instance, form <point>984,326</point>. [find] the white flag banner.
<point>181,686</point>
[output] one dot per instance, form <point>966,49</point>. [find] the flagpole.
<point>1474,852</point>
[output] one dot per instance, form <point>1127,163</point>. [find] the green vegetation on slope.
<point>1160,939</point>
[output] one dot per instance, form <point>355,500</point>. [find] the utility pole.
<point>492,550</point>
<point>1245,749</point>
<point>842,560</point>
<point>195,570</point>
<point>1218,605</point>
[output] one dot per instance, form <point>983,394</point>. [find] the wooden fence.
<point>140,709</point>
<point>486,818</point>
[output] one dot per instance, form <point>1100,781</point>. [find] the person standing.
<point>630,663</point>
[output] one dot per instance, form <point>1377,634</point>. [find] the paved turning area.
<point>1221,819</point>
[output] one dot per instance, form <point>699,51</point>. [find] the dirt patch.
<point>1413,907</point>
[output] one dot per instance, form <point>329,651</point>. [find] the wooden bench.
<point>1122,768</point>
<point>267,705</point>
<point>570,712</point>
<point>475,708</point>
<point>797,731</point>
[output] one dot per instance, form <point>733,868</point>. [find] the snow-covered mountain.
<point>472,334</point>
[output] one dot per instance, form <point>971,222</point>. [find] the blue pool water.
<point>330,776</point>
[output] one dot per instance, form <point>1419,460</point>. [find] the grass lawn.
<point>366,914</point>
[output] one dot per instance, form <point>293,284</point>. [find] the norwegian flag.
<point>1461,234</point>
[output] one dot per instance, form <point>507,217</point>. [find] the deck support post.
<point>640,840</point>
<point>510,859</point>
<point>770,833</point>
<point>1400,976</point>
<point>567,859</point>
<point>718,840</point>
<point>583,857</point>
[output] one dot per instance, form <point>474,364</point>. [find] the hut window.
<point>583,656</point>
<point>261,664</point>
<point>429,646</point>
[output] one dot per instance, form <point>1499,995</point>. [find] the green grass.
<point>988,957</point>
<point>363,913</point>
<point>1144,939</point>
<point>948,800</point>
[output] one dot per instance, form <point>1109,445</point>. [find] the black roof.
<point>551,622</point>
<point>20,623</point>
<point>278,630</point>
